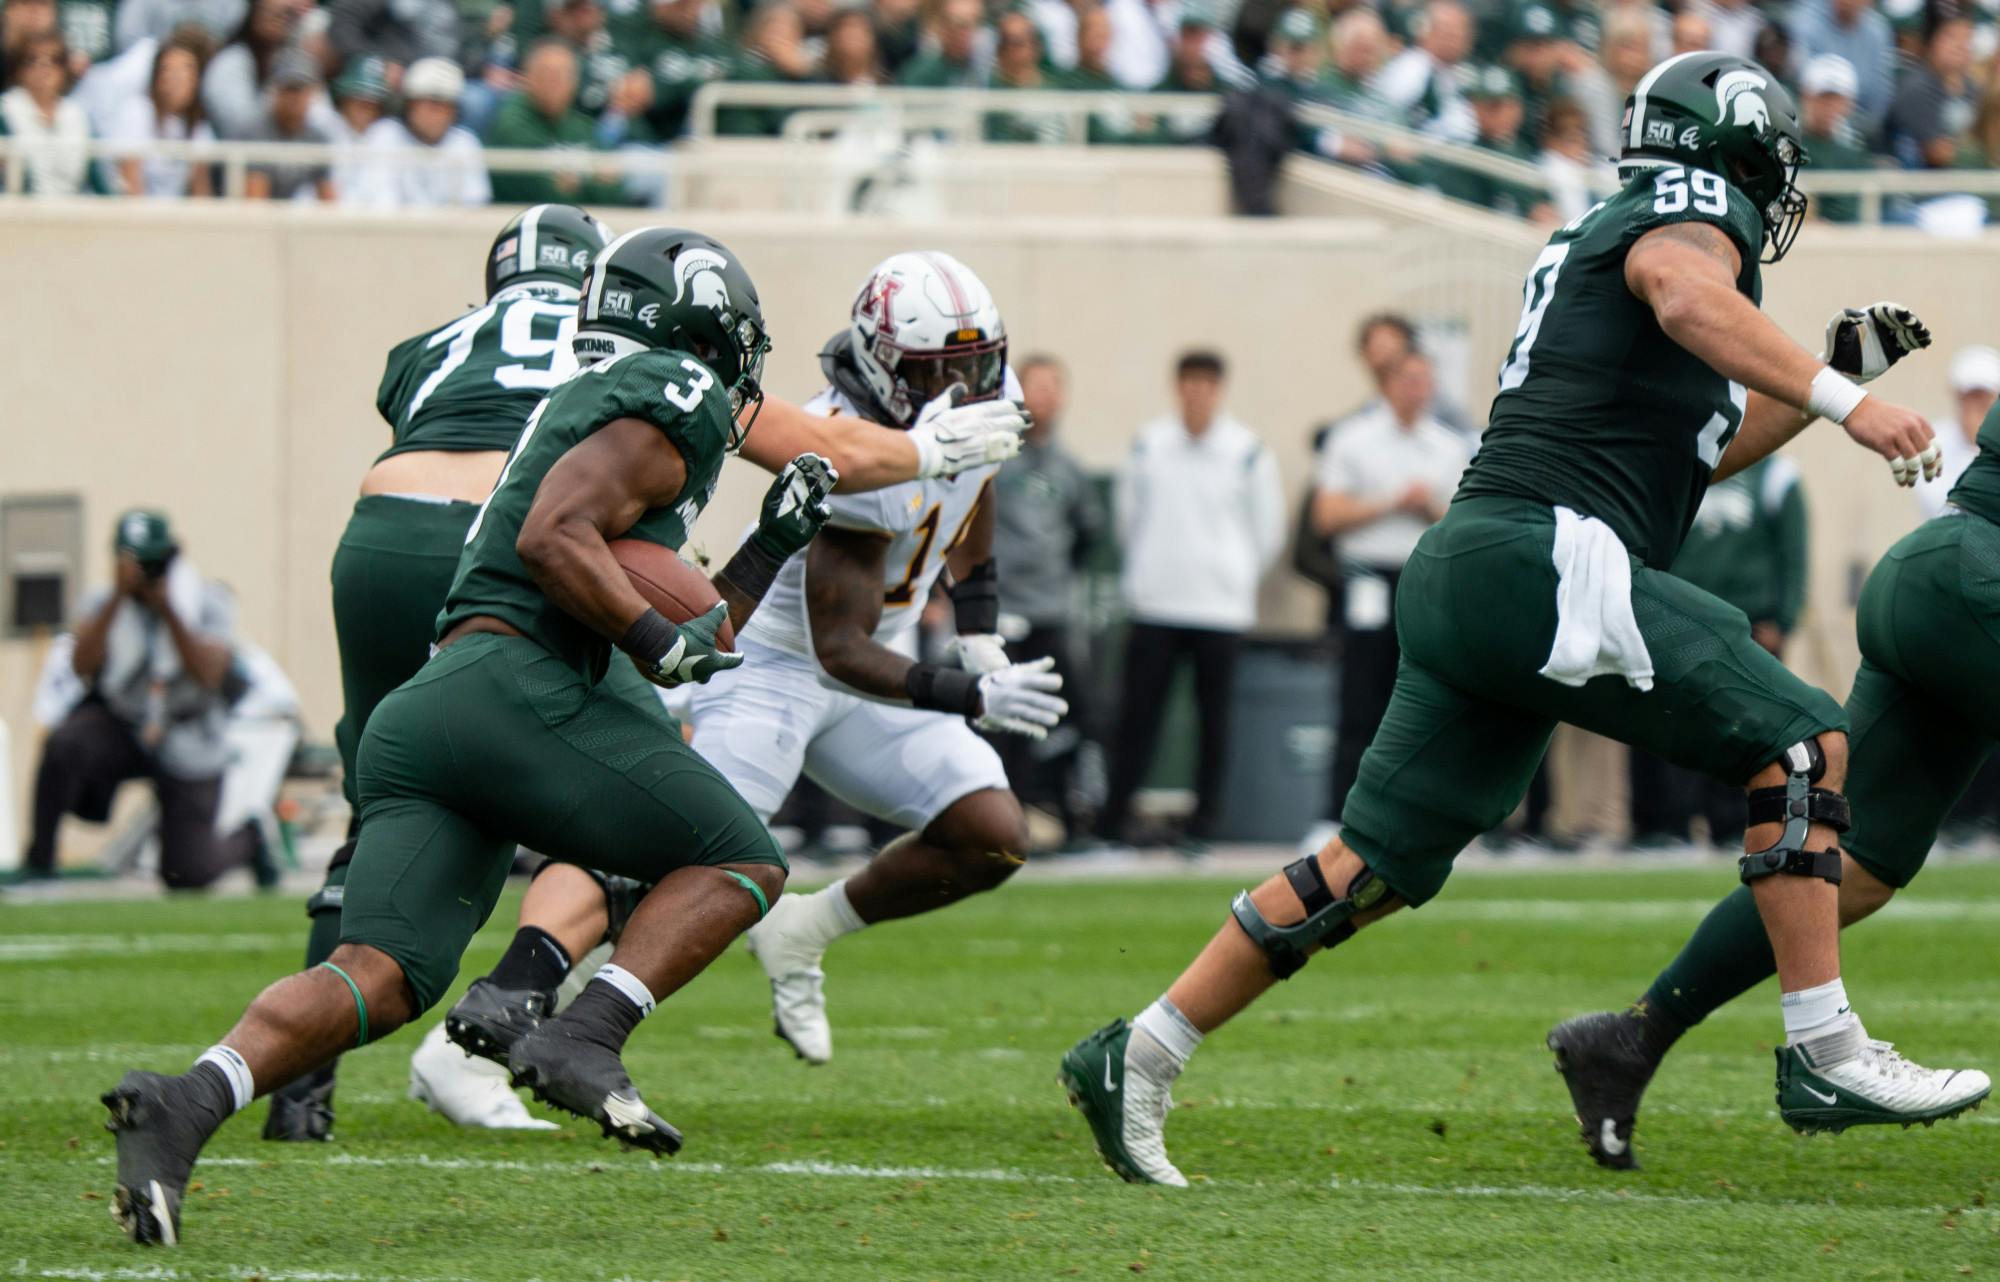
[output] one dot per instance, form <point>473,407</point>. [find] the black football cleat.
<point>303,1111</point>
<point>1606,1066</point>
<point>160,1128</point>
<point>588,1080</point>
<point>489,1019</point>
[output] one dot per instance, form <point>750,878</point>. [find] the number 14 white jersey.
<point>923,521</point>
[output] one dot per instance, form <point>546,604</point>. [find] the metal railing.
<point>821,111</point>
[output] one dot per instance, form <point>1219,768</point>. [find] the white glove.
<point>1863,342</point>
<point>981,652</point>
<point>954,438</point>
<point>1021,699</point>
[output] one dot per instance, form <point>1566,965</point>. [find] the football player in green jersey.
<point>1642,369</point>
<point>509,734</point>
<point>1925,709</point>
<point>455,398</point>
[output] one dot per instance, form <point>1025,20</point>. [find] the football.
<point>669,584</point>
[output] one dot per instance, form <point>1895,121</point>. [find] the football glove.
<point>981,652</point>
<point>693,657</point>
<point>953,438</point>
<point>1863,342</point>
<point>795,507</point>
<point>1021,699</point>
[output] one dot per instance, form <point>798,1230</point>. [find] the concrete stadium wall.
<point>221,361</point>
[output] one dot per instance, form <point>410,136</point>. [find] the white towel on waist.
<point>1596,632</point>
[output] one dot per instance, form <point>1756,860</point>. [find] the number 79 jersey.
<point>1599,410</point>
<point>923,521</point>
<point>471,384</point>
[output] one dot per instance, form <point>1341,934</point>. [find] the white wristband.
<point>1832,396</point>
<point>930,457</point>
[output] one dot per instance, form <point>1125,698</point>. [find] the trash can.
<point>1281,741</point>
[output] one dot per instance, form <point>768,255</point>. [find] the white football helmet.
<point>922,322</point>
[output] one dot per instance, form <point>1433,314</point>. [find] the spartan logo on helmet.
<point>698,278</point>
<point>1737,101</point>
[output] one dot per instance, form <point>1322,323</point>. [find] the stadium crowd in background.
<point>1913,84</point>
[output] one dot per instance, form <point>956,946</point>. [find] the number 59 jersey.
<point>1599,410</point>
<point>471,384</point>
<point>923,521</point>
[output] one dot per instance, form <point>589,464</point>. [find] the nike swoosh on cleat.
<point>1824,1099</point>
<point>1607,1138</point>
<point>163,1215</point>
<point>1109,1085</point>
<point>628,1113</point>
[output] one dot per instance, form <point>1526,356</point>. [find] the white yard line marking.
<point>39,948</point>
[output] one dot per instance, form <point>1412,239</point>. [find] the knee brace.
<point>1328,919</point>
<point>1797,805</point>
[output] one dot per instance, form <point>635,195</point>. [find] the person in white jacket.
<point>455,173</point>
<point>1201,516</point>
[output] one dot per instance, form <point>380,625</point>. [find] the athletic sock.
<point>533,960</point>
<point>609,1008</point>
<point>1821,1021</point>
<point>1727,956</point>
<point>221,1082</point>
<point>824,916</point>
<point>1161,1042</point>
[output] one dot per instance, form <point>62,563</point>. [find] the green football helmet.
<point>548,243</point>
<point>1725,114</point>
<point>667,287</point>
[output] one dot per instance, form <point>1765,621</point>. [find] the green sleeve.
<point>1676,199</point>
<point>1791,530</point>
<point>392,394</point>
<point>649,384</point>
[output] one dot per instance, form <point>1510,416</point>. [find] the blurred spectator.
<point>1629,47</point>
<point>156,654</point>
<point>682,55</point>
<point>453,173</point>
<point>1384,476</point>
<point>1381,341</point>
<point>232,88</point>
<point>360,97</point>
<point>1498,112</point>
<point>1057,21</point>
<point>957,59</point>
<point>774,52</point>
<point>1570,164</point>
<point>898,31</point>
<point>1974,377</point>
<point>401,31</point>
<point>21,21</point>
<point>1423,81</point>
<point>1748,546</point>
<point>1774,50</point>
<point>1017,64</point>
<point>1201,516</point>
<point>1544,50</point>
<point>1091,67</point>
<point>1691,32</point>
<point>851,54</point>
<point>1046,521</point>
<point>1982,143</point>
<point>89,29</point>
<point>1360,46</point>
<point>1827,91</point>
<point>1732,25</point>
<point>600,65</point>
<point>169,111</point>
<point>1854,31</point>
<point>543,115</point>
<point>1140,37</point>
<point>85,26</point>
<point>295,88</point>
<point>1296,56</point>
<point>161,19</point>
<point>1189,70</point>
<point>1936,99</point>
<point>40,118</point>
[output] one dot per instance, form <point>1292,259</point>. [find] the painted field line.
<point>40,948</point>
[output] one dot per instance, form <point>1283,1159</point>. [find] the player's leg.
<point>1444,768</point>
<point>920,770</point>
<point>1724,705</point>
<point>1919,734</point>
<point>1214,660</point>
<point>391,572</point>
<point>1149,663</point>
<point>424,879</point>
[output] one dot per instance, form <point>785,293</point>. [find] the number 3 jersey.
<point>923,521</point>
<point>469,385</point>
<point>670,390</point>
<point>1599,410</point>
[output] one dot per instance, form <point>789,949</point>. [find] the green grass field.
<point>1388,1114</point>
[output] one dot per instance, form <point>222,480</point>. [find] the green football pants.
<point>1926,702</point>
<point>498,742</point>
<point>1470,716</point>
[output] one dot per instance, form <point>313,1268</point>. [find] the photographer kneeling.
<point>156,656</point>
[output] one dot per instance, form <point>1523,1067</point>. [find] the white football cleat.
<point>1127,1110</point>
<point>798,993</point>
<point>467,1090</point>
<point>1874,1087</point>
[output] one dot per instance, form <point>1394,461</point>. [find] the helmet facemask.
<point>976,364</point>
